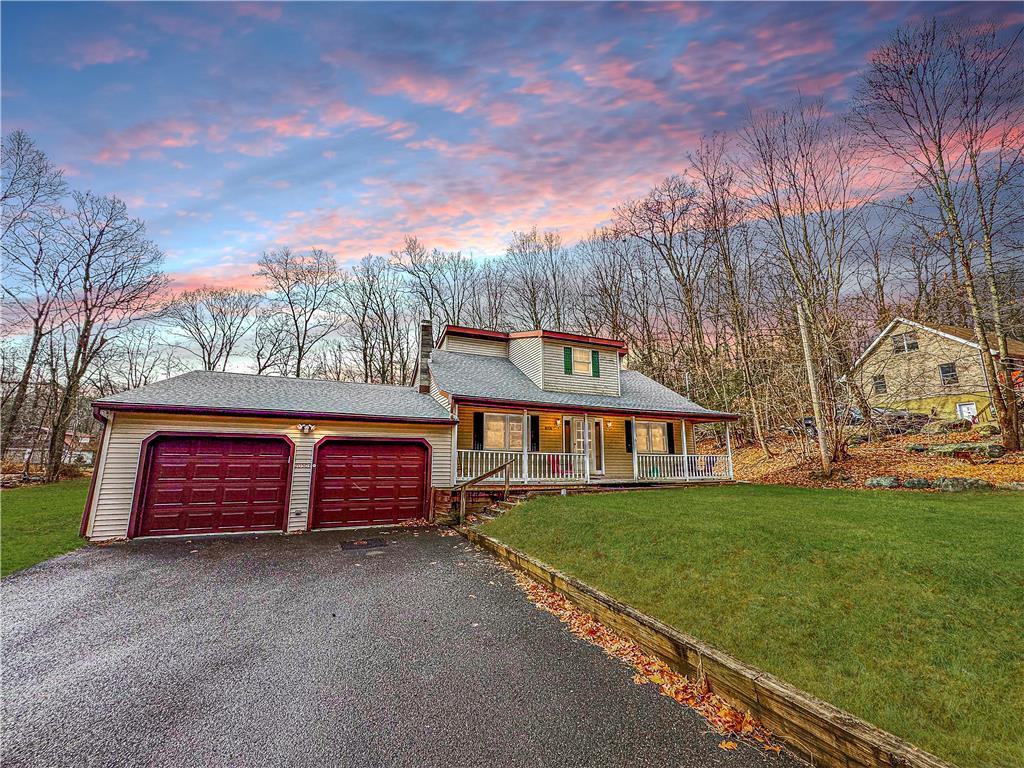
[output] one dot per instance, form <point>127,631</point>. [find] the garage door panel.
<point>368,483</point>
<point>205,484</point>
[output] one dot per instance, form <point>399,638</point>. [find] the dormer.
<point>473,341</point>
<point>568,362</point>
<point>553,360</point>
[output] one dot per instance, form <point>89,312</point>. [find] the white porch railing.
<point>541,467</point>
<point>674,466</point>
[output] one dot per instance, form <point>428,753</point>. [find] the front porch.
<point>602,450</point>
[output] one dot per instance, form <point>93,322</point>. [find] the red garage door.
<point>368,483</point>
<point>200,484</point>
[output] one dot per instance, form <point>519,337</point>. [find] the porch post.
<point>633,421</point>
<point>455,445</point>
<point>686,451</point>
<point>728,450</point>
<point>586,446</point>
<point>526,447</point>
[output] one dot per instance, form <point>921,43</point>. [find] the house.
<point>931,369</point>
<point>212,452</point>
<point>31,446</point>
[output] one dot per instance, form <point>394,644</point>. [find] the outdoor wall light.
<point>306,428</point>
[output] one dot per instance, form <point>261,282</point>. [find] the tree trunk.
<point>812,381</point>
<point>18,400</point>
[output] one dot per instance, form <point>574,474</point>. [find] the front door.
<point>577,440</point>
<point>596,446</point>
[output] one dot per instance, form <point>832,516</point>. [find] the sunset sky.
<point>235,127</point>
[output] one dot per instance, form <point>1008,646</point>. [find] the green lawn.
<point>40,522</point>
<point>904,608</point>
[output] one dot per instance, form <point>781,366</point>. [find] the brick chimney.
<point>426,347</point>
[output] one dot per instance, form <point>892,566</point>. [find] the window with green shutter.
<point>595,364</point>
<point>567,359</point>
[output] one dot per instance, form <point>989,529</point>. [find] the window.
<point>651,437</point>
<point>948,375</point>
<point>878,384</point>
<point>581,359</point>
<point>503,432</point>
<point>904,342</point>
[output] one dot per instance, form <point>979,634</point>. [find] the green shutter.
<point>567,359</point>
<point>595,363</point>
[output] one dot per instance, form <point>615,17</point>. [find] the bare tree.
<point>441,281</point>
<point>803,170</point>
<point>35,272</point>
<point>723,215</point>
<point>136,356</point>
<point>534,271</point>
<point>379,321</point>
<point>213,321</point>
<point>116,280</point>
<point>305,290</point>
<point>272,345</point>
<point>30,184</point>
<point>948,104</point>
<point>666,222</point>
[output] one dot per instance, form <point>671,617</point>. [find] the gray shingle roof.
<point>496,378</point>
<point>249,392</point>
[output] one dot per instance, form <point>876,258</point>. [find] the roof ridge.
<point>291,378</point>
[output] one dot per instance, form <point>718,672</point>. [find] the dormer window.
<point>580,361</point>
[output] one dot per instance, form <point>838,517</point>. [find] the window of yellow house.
<point>651,437</point>
<point>904,342</point>
<point>878,385</point>
<point>948,374</point>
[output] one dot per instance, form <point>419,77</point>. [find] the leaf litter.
<point>723,717</point>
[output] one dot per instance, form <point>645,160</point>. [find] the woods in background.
<point>749,281</point>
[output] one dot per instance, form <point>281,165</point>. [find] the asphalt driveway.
<point>296,650</point>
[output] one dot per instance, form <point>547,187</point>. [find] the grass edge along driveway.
<point>40,522</point>
<point>906,609</point>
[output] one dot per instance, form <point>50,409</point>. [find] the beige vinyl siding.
<point>526,354</point>
<point>115,488</point>
<point>473,346</point>
<point>556,379</point>
<point>618,463</point>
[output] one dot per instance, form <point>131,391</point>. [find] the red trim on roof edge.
<point>562,336</point>
<point>585,409</point>
<point>478,333</point>
<point>264,413</point>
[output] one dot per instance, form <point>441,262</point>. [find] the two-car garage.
<point>227,463</point>
<point>198,483</point>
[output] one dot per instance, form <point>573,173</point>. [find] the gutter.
<point>704,416</point>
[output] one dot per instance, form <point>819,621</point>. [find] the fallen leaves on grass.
<point>791,466</point>
<point>723,717</point>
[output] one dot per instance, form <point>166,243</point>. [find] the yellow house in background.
<point>930,369</point>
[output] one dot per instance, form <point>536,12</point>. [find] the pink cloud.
<point>291,126</point>
<point>780,42</point>
<point>618,73</point>
<point>148,138</point>
<point>340,113</point>
<point>106,50</point>
<point>429,89</point>
<point>263,11</point>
